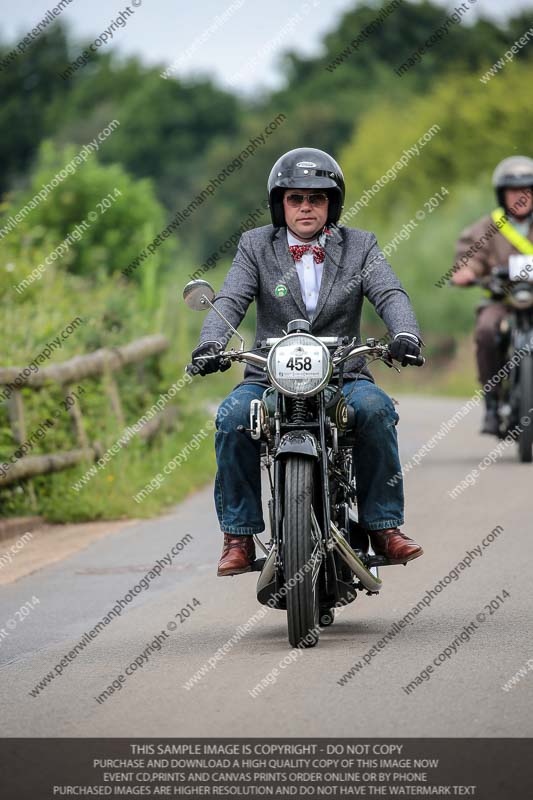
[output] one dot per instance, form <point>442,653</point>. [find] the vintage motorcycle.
<point>318,557</point>
<point>512,285</point>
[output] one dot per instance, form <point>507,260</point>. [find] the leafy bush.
<point>117,230</point>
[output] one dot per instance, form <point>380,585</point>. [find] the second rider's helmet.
<point>512,172</point>
<point>305,168</point>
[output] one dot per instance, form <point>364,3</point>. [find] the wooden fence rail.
<point>79,367</point>
<point>104,362</point>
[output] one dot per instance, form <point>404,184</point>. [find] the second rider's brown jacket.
<point>482,247</point>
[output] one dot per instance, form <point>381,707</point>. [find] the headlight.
<point>299,365</point>
<point>522,295</point>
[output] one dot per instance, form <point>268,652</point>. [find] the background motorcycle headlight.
<point>522,295</point>
<point>299,365</point>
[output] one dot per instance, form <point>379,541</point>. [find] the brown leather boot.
<point>238,555</point>
<point>394,545</point>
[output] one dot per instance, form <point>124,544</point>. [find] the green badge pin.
<point>280,290</point>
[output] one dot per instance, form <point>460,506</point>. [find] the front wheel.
<point>302,554</point>
<point>525,438</point>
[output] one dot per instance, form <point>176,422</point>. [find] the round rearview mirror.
<point>195,293</point>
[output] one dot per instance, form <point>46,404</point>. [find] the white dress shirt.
<point>310,277</point>
<point>309,274</point>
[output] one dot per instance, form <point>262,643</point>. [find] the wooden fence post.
<point>17,421</point>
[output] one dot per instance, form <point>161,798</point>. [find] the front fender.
<point>302,443</point>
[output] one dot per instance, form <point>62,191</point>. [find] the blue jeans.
<point>238,479</point>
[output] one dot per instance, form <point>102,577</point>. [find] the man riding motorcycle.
<point>488,244</point>
<point>305,265</point>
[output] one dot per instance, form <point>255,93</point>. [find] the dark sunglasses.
<point>316,199</point>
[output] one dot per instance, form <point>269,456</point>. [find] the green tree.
<point>479,124</point>
<point>29,85</point>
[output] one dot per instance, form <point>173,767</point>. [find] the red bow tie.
<point>298,250</point>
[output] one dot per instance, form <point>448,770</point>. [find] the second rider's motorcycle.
<point>318,557</point>
<point>512,285</point>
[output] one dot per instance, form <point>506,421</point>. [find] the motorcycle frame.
<point>317,448</point>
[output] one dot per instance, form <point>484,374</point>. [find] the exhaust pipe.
<point>370,581</point>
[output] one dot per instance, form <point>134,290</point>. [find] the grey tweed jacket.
<point>263,270</point>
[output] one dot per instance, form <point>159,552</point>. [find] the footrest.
<point>378,561</point>
<point>258,564</point>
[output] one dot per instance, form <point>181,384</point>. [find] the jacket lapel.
<point>288,273</point>
<point>331,267</point>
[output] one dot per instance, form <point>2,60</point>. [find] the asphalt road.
<point>463,696</point>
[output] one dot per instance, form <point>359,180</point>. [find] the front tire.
<point>525,438</point>
<point>300,548</point>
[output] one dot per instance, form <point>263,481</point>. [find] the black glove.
<point>204,366</point>
<point>404,345</point>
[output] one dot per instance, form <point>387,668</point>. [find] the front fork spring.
<point>298,411</point>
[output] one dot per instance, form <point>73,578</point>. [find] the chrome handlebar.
<point>378,350</point>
